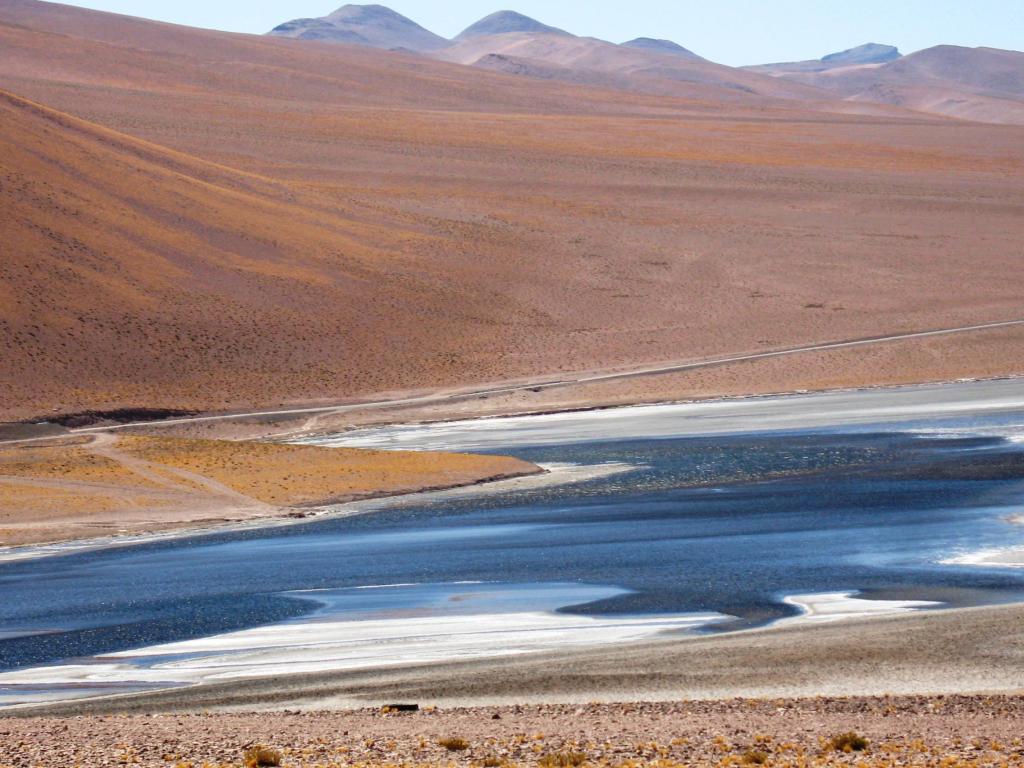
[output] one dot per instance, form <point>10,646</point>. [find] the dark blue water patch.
<point>727,525</point>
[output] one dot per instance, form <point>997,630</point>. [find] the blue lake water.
<point>726,525</point>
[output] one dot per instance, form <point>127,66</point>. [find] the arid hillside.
<point>203,220</point>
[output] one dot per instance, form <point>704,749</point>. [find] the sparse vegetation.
<point>262,757</point>
<point>731,734</point>
<point>848,742</point>
<point>562,760</point>
<point>176,479</point>
<point>454,744</point>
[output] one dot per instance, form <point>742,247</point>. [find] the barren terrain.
<point>199,220</point>
<point>943,731</point>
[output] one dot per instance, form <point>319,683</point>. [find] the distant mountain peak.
<point>368,14</point>
<point>869,53</point>
<point>659,46</point>
<point>506,22</point>
<point>374,25</point>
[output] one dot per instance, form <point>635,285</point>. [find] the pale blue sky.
<point>732,32</point>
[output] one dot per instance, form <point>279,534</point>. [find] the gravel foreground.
<point>942,731</point>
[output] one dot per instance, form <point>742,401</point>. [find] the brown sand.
<point>947,731</point>
<point>97,486</point>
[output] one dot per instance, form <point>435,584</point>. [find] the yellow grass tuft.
<point>262,757</point>
<point>454,744</point>
<point>847,742</point>
<point>562,760</point>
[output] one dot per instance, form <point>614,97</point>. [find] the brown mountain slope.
<point>129,269</point>
<point>205,220</point>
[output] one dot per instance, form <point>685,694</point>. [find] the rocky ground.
<point>918,731</point>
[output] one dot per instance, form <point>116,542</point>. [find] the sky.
<point>734,32</point>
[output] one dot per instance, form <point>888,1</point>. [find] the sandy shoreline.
<point>758,407</point>
<point>552,474</point>
<point>325,642</point>
<point>841,408</point>
<point>960,651</point>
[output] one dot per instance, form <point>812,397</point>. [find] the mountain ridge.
<point>980,84</point>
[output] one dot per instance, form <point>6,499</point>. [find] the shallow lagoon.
<point>725,526</point>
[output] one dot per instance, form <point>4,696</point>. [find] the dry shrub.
<point>848,742</point>
<point>454,743</point>
<point>562,760</point>
<point>755,757</point>
<point>262,757</point>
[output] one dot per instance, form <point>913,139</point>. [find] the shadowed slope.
<point>660,46</point>
<point>131,270</point>
<point>869,53</point>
